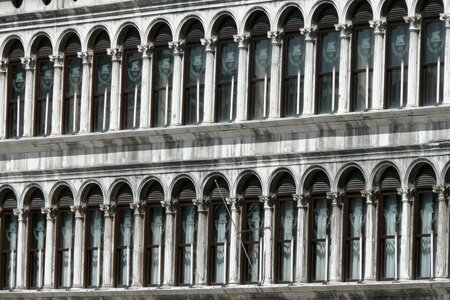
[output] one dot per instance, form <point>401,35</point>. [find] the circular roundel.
<point>16,3</point>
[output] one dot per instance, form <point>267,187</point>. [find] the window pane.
<point>38,231</point>
<point>399,45</point>
<point>321,223</point>
<point>391,228</point>
<point>126,227</point>
<point>362,90</point>
<point>44,99</point>
<point>195,83</point>
<point>132,95</point>
<point>227,84</point>
<point>220,237</point>
<point>16,102</point>
<point>254,221</point>
<point>102,92</point>
<point>330,52</point>
<point>435,41</point>
<point>67,228</point>
<point>329,70</point>
<point>188,224</point>
<point>73,94</point>
<point>356,220</point>
<point>95,244</point>
<point>293,89</point>
<point>253,265</point>
<point>11,232</point>
<point>163,86</point>
<point>262,58</point>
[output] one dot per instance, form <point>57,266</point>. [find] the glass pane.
<point>163,85</point>
<point>186,271</point>
<point>126,227</point>
<point>37,267</point>
<point>221,224</point>
<point>362,90</point>
<point>134,69</point>
<point>188,224</point>
<point>392,215</point>
<point>319,261</point>
<point>326,92</point>
<point>254,221</point>
<point>430,81</point>
<point>95,228</point>
<point>261,89</point>
<point>228,81</point>
<point>329,56</point>
<point>296,54</point>
<point>219,264</point>
<point>156,225</point>
<point>195,82</point>
<point>103,72</point>
<point>125,257</point>
<point>46,79</point>
<point>354,260</point>
<point>434,42</point>
<point>253,266</point>
<point>154,265</point>
<point>293,87</point>
<point>356,215</point>
<point>399,45</point>
<point>286,262</point>
<point>364,48</point>
<point>16,102</point>
<point>95,266</point>
<point>38,231</point>
<point>66,259</point>
<point>321,218</point>
<point>74,78</point>
<point>67,227</point>
<point>394,88</point>
<point>287,222</point>
<point>262,58</point>
<point>11,232</point>
<point>389,258</point>
<point>196,64</point>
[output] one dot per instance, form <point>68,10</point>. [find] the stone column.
<point>56,117</point>
<point>378,64</point>
<point>177,93</point>
<point>413,60</point>
<point>405,240</point>
<point>138,244</point>
<point>21,264</point>
<point>267,239</point>
<point>108,245</point>
<point>146,83</point>
<point>49,256</point>
<point>446,19</point>
<point>336,236</point>
<point>78,246</point>
<point>3,97</point>
<point>235,239</point>
<point>275,75</point>
<point>310,63</point>
<point>370,258</point>
<point>28,118</point>
<point>208,102</point>
<point>442,234</point>
<point>116,58</point>
<point>169,243</point>
<point>301,265</point>
<point>242,77</point>
<point>85,105</point>
<point>202,241</point>
<point>343,104</point>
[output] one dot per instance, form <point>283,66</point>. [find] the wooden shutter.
<point>396,10</point>
<point>260,24</point>
<point>65,198</point>
<point>44,48</point>
<point>320,184</point>
<point>432,7</point>
<point>95,196</point>
<point>73,45</point>
<point>37,200</point>
<point>187,191</point>
<point>327,17</point>
<point>155,193</point>
<point>355,182</point>
<point>163,35</point>
<point>425,177</point>
<point>286,185</point>
<point>390,180</point>
<point>223,190</point>
<point>195,32</point>
<point>252,188</point>
<point>132,38</point>
<point>16,51</point>
<point>294,21</point>
<point>102,42</point>
<point>227,28</point>
<point>363,13</point>
<point>9,200</point>
<point>124,195</point>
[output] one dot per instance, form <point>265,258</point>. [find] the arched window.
<point>94,227</point>
<point>123,237</point>
<point>155,220</point>
<point>16,91</point>
<point>425,223</point>
<point>44,89</point>
<point>65,225</point>
<point>319,220</point>
<point>354,227</point>
<point>37,227</point>
<point>8,241</point>
<point>73,74</point>
<point>251,231</point>
<point>219,233</point>
<point>194,74</point>
<point>186,233</point>
<point>294,65</point>
<point>328,54</point>
<point>362,58</point>
<point>397,50</point>
<point>131,80</point>
<point>227,70</point>
<point>260,66</point>
<point>162,78</point>
<point>101,83</point>
<point>285,229</point>
<point>433,42</point>
<point>389,225</point>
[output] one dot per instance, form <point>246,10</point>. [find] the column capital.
<point>310,33</point>
<point>50,213</point>
<point>170,205</point>
<point>115,53</point>
<point>78,210</point>
<point>235,203</point>
<point>242,40</point>
<point>440,190</point>
<point>21,214</point>
<point>379,26</point>
<point>3,66</point>
<point>371,196</point>
<point>139,208</point>
<point>146,50</point>
<point>210,44</point>
<point>268,201</point>
<point>202,204</point>
<point>86,57</point>
<point>446,18</point>
<point>28,62</point>
<point>414,22</point>
<point>178,47</point>
<point>405,193</point>
<point>57,60</point>
<point>345,29</point>
<point>302,200</point>
<point>108,210</point>
<point>336,198</point>
<point>275,36</point>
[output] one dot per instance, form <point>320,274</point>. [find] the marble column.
<point>309,78</point>
<point>85,105</point>
<point>208,103</point>
<point>242,77</point>
<point>21,264</point>
<point>370,246</point>
<point>108,245</point>
<point>3,97</point>
<point>446,19</point>
<point>267,269</point>
<point>116,58</point>
<point>343,99</point>
<point>405,240</point>
<point>78,246</point>
<point>177,93</point>
<point>28,117</point>
<point>235,246</point>
<point>275,75</point>
<point>169,244</point>
<point>413,60</point>
<point>301,266</point>
<point>378,64</point>
<point>49,257</point>
<point>138,244</point>
<point>336,236</point>
<point>146,83</point>
<point>56,117</point>
<point>441,243</point>
<point>202,241</point>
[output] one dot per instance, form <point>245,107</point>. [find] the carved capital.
<point>202,204</point>
<point>310,33</point>
<point>21,214</point>
<point>336,198</point>
<point>28,62</point>
<point>3,66</point>
<point>379,26</point>
<point>302,200</point>
<point>178,47</point>
<point>108,210</point>
<point>145,50</point>
<point>446,19</point>
<point>115,53</point>
<point>242,40</point>
<point>345,30</point>
<point>268,201</point>
<point>414,22</point>
<point>139,208</point>
<point>440,190</point>
<point>275,36</point>
<point>235,203</point>
<point>210,44</point>
<point>86,57</point>
<point>404,193</point>
<point>50,213</point>
<point>79,211</point>
<point>57,60</point>
<point>169,205</point>
<point>371,197</point>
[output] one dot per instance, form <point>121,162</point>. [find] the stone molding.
<point>50,213</point>
<point>202,204</point>
<point>146,50</point>
<point>268,201</point>
<point>235,203</point>
<point>344,29</point>
<point>28,62</point>
<point>302,200</point>
<point>371,196</point>
<point>414,22</point>
<point>276,37</point>
<point>139,208</point>
<point>21,214</point>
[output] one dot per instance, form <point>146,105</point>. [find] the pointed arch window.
<point>16,92</point>
<point>44,89</point>
<point>8,241</point>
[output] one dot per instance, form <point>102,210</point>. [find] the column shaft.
<point>413,71</point>
<point>177,94</point>
<point>446,98</point>
<point>3,98</point>
<point>442,234</point>
<point>169,243</point>
<point>28,118</point>
<point>146,81</point>
<point>78,247</point>
<point>275,78</point>
<point>208,103</point>
<point>108,246</point>
<point>405,246</point>
<point>85,105</point>
<point>310,58</point>
<point>378,65</point>
<point>233,271</point>
<point>343,99</point>
<point>370,258</point>
<point>57,94</point>
<point>138,245</point>
<point>336,237</point>
<point>202,240</point>
<point>114,120</point>
<point>301,273</point>
<point>49,248</point>
<point>241,99</point>
<point>267,240</point>
<point>21,267</point>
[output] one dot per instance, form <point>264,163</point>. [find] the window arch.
<point>294,64</point>
<point>101,98</point>
<point>44,88</point>
<point>8,241</point>
<point>16,91</point>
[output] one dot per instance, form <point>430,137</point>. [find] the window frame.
<point>94,113</point>
<point>125,92</point>
<point>65,126</point>
<point>59,250</point>
<point>4,252</point>
<point>40,60</point>
<point>31,251</point>
<point>11,128</point>
<point>148,245</point>
<point>88,249</point>
<point>156,90</point>
<point>117,248</point>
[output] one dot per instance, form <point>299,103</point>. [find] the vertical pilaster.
<point>78,246</point>
<point>275,75</point>
<point>202,240</point>
<point>442,234</point>
<point>208,103</point>
<point>370,259</point>
<point>267,239</point>
<point>177,95</point>
<point>233,273</point>
<point>28,118</point>
<point>22,215</point>
<point>85,105</point>
<point>146,81</point>
<point>241,100</point>
<point>138,244</point>
<point>169,244</point>
<point>310,57</point>
<point>405,252</point>
<point>116,58</point>
<point>301,274</point>
<point>336,236</point>
<point>3,97</point>
<point>413,60</point>
<point>343,104</point>
<point>446,19</point>
<point>49,246</point>
<point>56,117</point>
<point>378,64</point>
<point>108,245</point>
